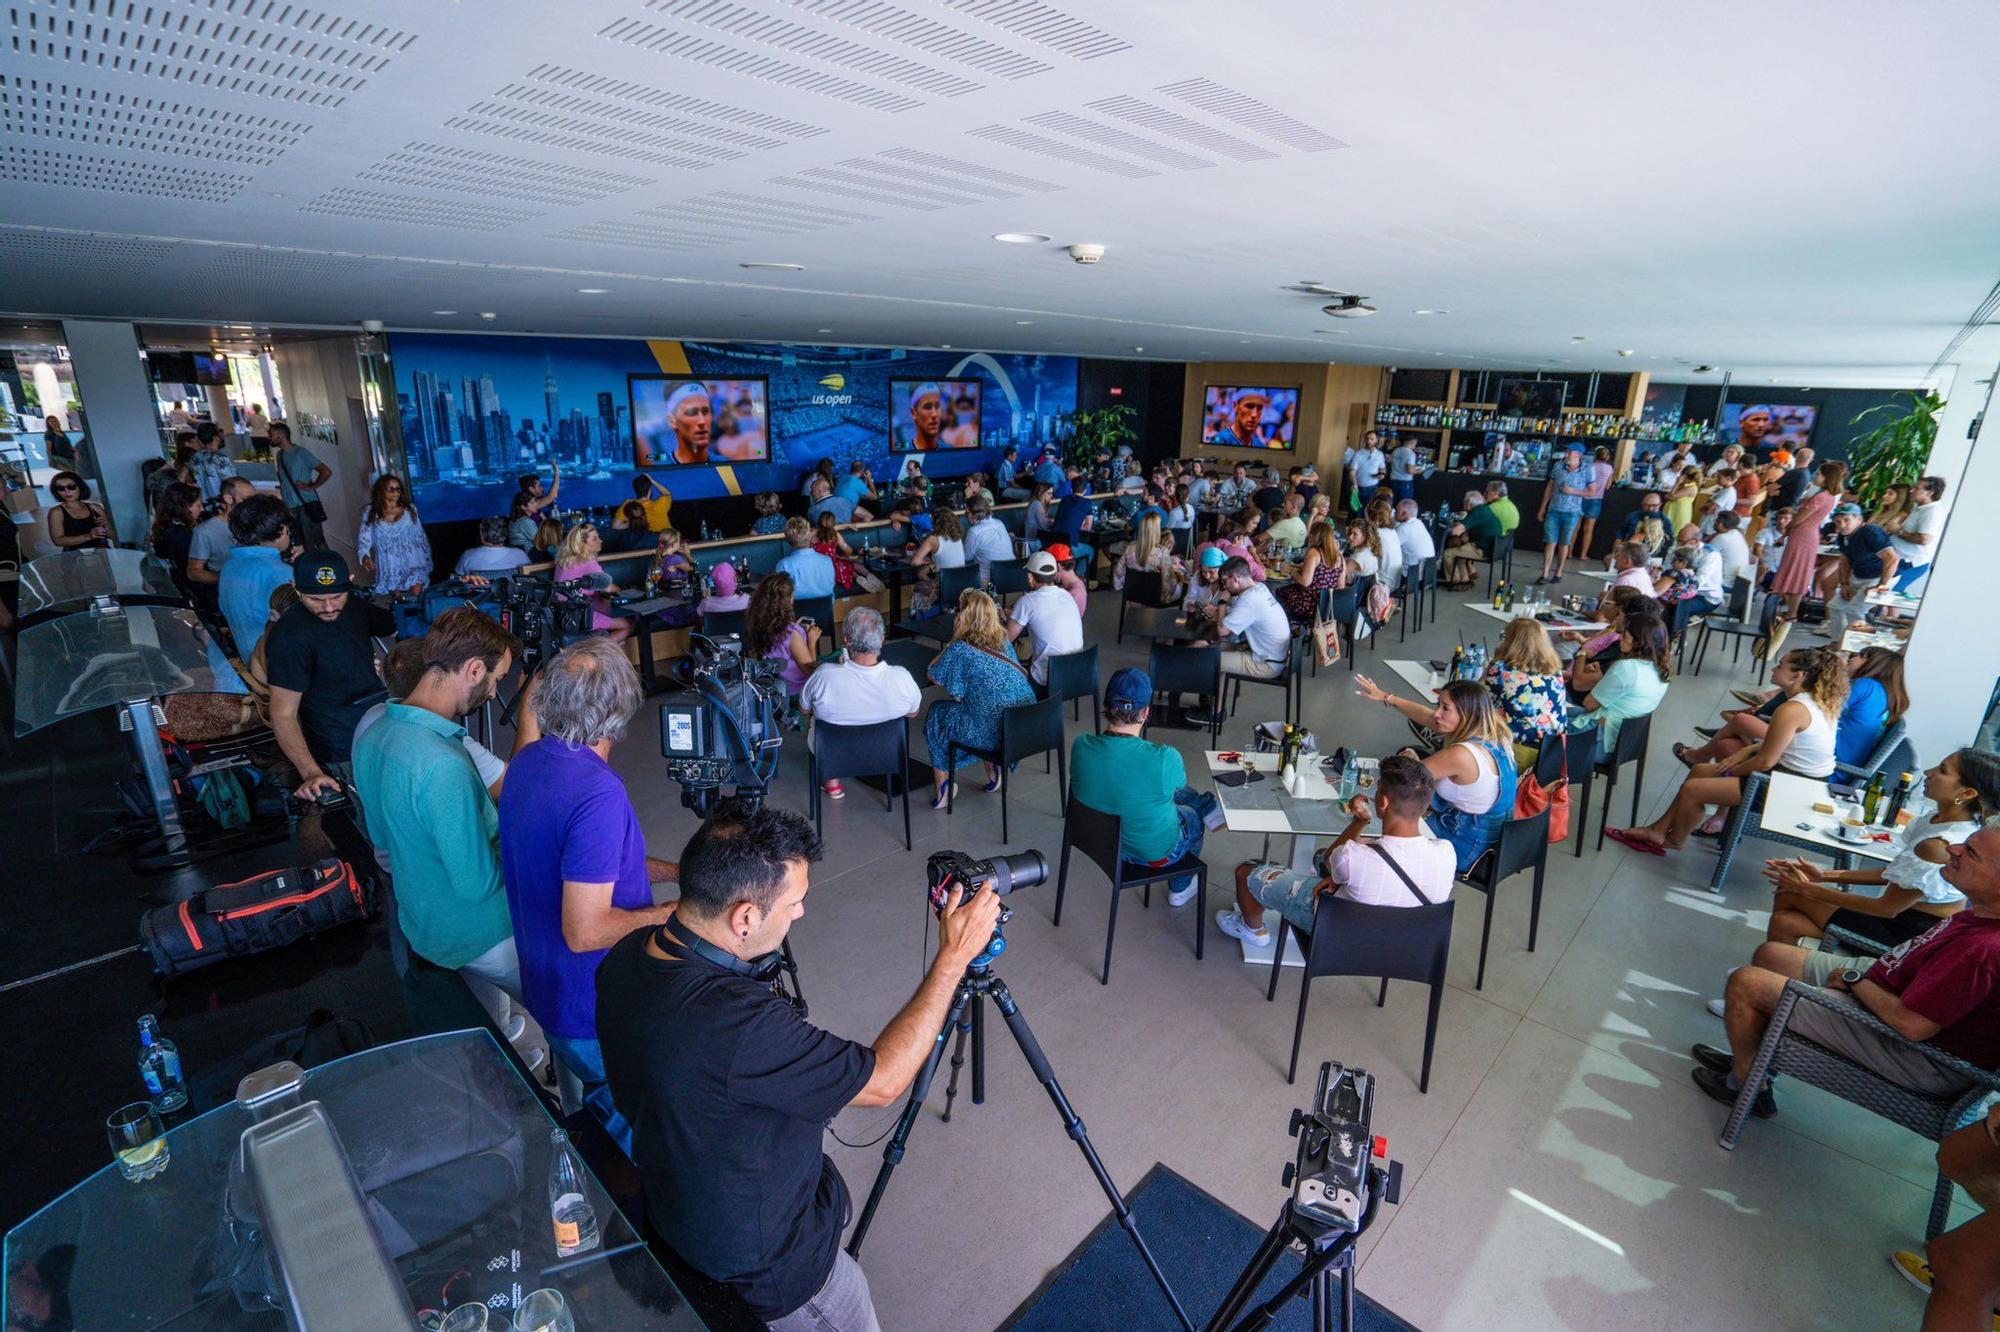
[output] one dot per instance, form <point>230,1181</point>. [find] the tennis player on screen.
<point>692,416</point>
<point>926,417</point>
<point>1246,421</point>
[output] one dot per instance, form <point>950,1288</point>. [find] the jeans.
<point>1403,488</point>
<point>585,1061</point>
<point>1559,527</point>
<point>1193,807</point>
<point>843,1303</point>
<point>1907,577</point>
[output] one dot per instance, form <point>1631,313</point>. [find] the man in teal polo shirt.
<point>428,807</point>
<point>1162,818</point>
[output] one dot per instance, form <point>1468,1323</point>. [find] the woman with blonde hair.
<point>1799,740</point>
<point>1473,766</point>
<point>548,538</point>
<point>1388,546</point>
<point>1148,552</point>
<point>1526,680</point>
<point>978,668</point>
<point>576,561</point>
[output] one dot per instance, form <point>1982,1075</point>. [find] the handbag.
<point>314,511</point>
<point>1531,797</point>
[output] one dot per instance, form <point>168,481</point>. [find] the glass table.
<point>76,577</point>
<point>450,1148</point>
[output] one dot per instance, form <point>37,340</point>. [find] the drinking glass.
<point>545,1310</point>
<point>475,1318</point>
<point>138,1140</point>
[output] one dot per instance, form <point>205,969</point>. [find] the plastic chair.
<point>820,609</point>
<point>1409,595</point>
<point>1523,845</point>
<point>1026,729</point>
<point>1096,834</point>
<point>1582,770</point>
<point>879,750</point>
<point>1009,577</point>
<point>1179,669</point>
<point>951,582</point>
<point>1633,733</point>
<point>1501,558</point>
<point>1289,678</point>
<point>1362,939</point>
<point>1146,588</point>
<point>912,656</point>
<point>1734,621</point>
<point>1073,678</point>
<point>719,624</point>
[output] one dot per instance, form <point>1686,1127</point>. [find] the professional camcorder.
<point>544,616</point>
<point>954,876</point>
<point>726,727</point>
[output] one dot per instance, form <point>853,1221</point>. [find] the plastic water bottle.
<point>570,1212</point>
<point>160,1067</point>
<point>1349,773</point>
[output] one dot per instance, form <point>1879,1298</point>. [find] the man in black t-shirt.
<point>320,659</point>
<point>726,1085</point>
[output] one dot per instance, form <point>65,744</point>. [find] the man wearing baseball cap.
<point>1066,577</point>
<point>1047,612</point>
<point>1866,555</point>
<point>320,657</point>
<point>1161,818</point>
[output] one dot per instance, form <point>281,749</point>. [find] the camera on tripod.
<point>947,871</point>
<point>543,616</point>
<point>726,726</point>
<point>1329,1180</point>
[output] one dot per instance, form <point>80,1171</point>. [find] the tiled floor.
<point>1561,1172</point>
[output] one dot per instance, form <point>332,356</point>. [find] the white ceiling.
<point>1792,189</point>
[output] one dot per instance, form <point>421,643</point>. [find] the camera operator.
<point>728,1087</point>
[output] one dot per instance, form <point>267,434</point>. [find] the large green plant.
<point>1098,430</point>
<point>1894,452</point>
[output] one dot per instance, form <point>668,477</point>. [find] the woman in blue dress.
<point>979,670</point>
<point>393,548</point>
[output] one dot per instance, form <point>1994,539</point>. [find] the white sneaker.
<point>1181,897</point>
<point>1230,921</point>
<point>516,1028</point>
<point>535,1058</point>
<point>1715,1007</point>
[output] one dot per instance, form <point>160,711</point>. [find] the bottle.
<point>1500,596</point>
<point>1871,801</point>
<point>1349,778</point>
<point>160,1067</point>
<point>570,1212</point>
<point>1904,786</point>
<point>1457,663</point>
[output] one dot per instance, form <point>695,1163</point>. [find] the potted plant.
<point>1098,430</point>
<point>1894,452</point>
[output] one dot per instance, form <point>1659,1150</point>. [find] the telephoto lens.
<point>1024,869</point>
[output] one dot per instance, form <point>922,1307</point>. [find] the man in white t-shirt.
<point>1353,868</point>
<point>1049,613</point>
<point>492,557</point>
<point>1366,465</point>
<point>1411,534</point>
<point>858,688</point>
<point>1256,616</point>
<point>1728,542</point>
<point>1915,538</point>
<point>986,537</point>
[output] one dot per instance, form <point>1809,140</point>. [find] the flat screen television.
<point>170,367</point>
<point>1239,416</point>
<point>1530,397</point>
<point>1759,426</point>
<point>211,370</point>
<point>926,415</point>
<point>683,421</point>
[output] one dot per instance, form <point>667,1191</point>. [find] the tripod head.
<point>1334,1181</point>
<point>953,876</point>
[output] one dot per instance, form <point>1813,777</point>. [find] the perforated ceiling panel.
<point>429,212</point>
<point>750,64</point>
<point>638,236</point>
<point>1078,127</point>
<point>1044,25</point>
<point>1248,111</point>
<point>727,210</point>
<point>289,52</point>
<point>1045,147</point>
<point>766,29</point>
<point>492,175</point>
<point>1180,127</point>
<point>552,84</point>
<point>89,171</point>
<point>117,122</point>
<point>940,39</point>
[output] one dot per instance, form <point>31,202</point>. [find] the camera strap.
<point>677,940</point>
<point>1408,882</point>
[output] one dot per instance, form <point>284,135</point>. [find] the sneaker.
<point>535,1058</point>
<point>1230,921</point>
<point>516,1028</point>
<point>1709,1056</point>
<point>1715,1007</point>
<point>1912,1268</point>
<point>1180,897</point>
<point>1716,1086</point>
<point>834,791</point>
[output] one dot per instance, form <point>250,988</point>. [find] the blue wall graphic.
<point>479,410</point>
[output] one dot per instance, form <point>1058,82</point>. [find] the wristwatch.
<point>1851,977</point>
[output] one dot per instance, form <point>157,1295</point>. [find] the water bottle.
<point>1349,773</point>
<point>570,1212</point>
<point>160,1067</point>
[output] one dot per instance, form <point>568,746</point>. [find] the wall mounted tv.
<point>211,370</point>
<point>1531,397</point>
<point>1767,425</point>
<point>170,367</point>
<point>930,414</point>
<point>681,421</point>
<point>1239,416</point>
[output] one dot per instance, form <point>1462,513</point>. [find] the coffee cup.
<point>1851,830</point>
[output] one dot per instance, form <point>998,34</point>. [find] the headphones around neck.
<point>764,969</point>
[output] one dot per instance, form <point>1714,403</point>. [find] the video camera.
<point>726,726</point>
<point>947,871</point>
<point>543,616</point>
<point>1337,1144</point>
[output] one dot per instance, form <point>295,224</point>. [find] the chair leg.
<point>908,843</point>
<point>1110,932</point>
<point>1430,1038</point>
<point>1299,1027</point>
<point>1638,785</point>
<point>1200,911</point>
<point>1062,778</point>
<point>1277,959</point>
<point>1383,997</point>
<point>1940,1215</point>
<point>1604,812</point>
<point>1096,713</point>
<point>1485,932</point>
<point>951,779</point>
<point>1535,906</point>
<point>1003,802</point>
<point>1579,803</point>
<point>1062,880</point>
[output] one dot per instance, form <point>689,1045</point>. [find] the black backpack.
<point>254,915</point>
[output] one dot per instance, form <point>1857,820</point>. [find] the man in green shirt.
<point>429,810</point>
<point>1162,819</point>
<point>1503,508</point>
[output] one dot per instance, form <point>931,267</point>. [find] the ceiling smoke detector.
<point>1350,307</point>
<point>1086,254</point>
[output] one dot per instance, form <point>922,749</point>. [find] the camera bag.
<point>254,915</point>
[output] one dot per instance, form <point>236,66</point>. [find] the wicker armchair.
<point>1933,1116</point>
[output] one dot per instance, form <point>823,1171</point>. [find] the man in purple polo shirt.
<point>578,876</point>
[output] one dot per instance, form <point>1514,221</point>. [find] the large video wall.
<point>477,411</point>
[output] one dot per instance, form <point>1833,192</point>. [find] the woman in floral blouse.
<point>393,548</point>
<point>1526,680</point>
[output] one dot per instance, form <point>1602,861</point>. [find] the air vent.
<point>1180,127</point>
<point>767,30</point>
<point>1044,26</point>
<point>750,65</point>
<point>954,167</point>
<point>255,47</point>
<point>528,132</point>
<point>1248,111</point>
<point>729,210</point>
<point>85,171</point>
<point>121,122</point>
<point>901,25</point>
<point>1035,143</point>
<point>573,80</point>
<point>1079,128</point>
<point>421,211</point>
<point>434,166</point>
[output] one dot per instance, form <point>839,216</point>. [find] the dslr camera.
<point>953,876</point>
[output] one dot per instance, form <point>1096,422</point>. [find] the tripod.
<point>978,984</point>
<point>1327,1251</point>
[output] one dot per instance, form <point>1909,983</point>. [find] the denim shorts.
<point>1558,528</point>
<point>1593,508</point>
<point>1289,892</point>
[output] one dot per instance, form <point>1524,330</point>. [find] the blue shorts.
<point>1593,508</point>
<point>1291,893</point>
<point>1559,528</point>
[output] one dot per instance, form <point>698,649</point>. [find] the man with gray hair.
<point>858,688</point>
<point>1415,538</point>
<point>986,537</point>
<point>575,863</point>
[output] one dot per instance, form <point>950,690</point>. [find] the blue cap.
<point>1128,687</point>
<point>1847,511</point>
<point>1213,557</point>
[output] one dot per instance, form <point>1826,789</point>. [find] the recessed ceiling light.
<point>488,314</point>
<point>1019,237</point>
<point>760,263</point>
<point>1023,323</point>
<point>1431,312</point>
<point>1625,351</point>
<point>946,346</point>
<point>592,291</point>
<point>444,312</point>
<point>826,330</point>
<point>1578,337</point>
<point>1138,349</point>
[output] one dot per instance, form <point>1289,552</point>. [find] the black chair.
<point>717,624</point>
<point>1501,559</point>
<point>1523,844</point>
<point>1145,587</point>
<point>1009,577</point>
<point>1289,677</point>
<point>820,611</point>
<point>1361,939</point>
<point>1409,596</point>
<point>1073,678</point>
<point>1633,733</point>
<point>1180,669</point>
<point>1096,834</point>
<point>1734,622</point>
<point>1430,586</point>
<point>1181,541</point>
<point>1337,606</point>
<point>1026,729</point>
<point>912,656</point>
<point>1582,769</point>
<point>951,582</point>
<point>880,750</point>
<point>1361,587</point>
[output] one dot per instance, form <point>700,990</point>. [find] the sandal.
<point>1680,752</point>
<point>944,793</point>
<point>1625,839</point>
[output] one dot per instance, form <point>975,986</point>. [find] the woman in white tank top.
<point>1799,741</point>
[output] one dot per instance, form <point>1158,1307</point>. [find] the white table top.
<point>1854,640</point>
<point>1788,802</point>
<point>1893,600</point>
<point>1563,621</point>
<point>1313,785</point>
<point>1418,675</point>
